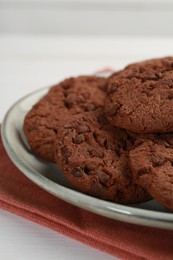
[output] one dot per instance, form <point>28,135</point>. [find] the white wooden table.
<point>28,63</point>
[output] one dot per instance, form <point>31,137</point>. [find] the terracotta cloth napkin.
<point>126,241</point>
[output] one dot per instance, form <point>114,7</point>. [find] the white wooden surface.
<point>28,63</point>
<point>92,17</point>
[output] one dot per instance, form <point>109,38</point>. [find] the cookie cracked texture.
<point>140,97</point>
<point>70,97</point>
<point>93,156</point>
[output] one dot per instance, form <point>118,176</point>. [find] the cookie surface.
<point>70,97</point>
<point>93,156</point>
<point>140,97</point>
<point>151,162</point>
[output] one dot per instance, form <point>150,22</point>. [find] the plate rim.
<point>125,213</point>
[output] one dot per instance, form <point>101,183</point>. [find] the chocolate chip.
<point>120,195</point>
<point>68,83</point>
<point>100,140</point>
<point>170,96</point>
<point>103,87</point>
<point>59,142</point>
<point>86,95</point>
<point>65,93</point>
<point>32,127</point>
<point>86,170</point>
<point>55,131</point>
<point>102,119</point>
<point>159,75</point>
<point>79,139</point>
<point>95,152</point>
<point>143,171</point>
<point>96,190</point>
<point>157,160</point>
<point>138,142</point>
<point>166,82</point>
<point>112,112</point>
<point>141,70</point>
<point>120,146</point>
<point>95,137</point>
<point>167,145</point>
<point>167,94</point>
<point>149,77</point>
<point>148,90</point>
<point>70,101</point>
<point>77,172</point>
<point>133,75</point>
<point>66,154</point>
<point>68,126</point>
<point>82,129</point>
<point>90,107</point>
<point>112,88</point>
<point>103,177</point>
<point>105,144</point>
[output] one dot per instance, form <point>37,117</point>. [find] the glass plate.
<point>47,176</point>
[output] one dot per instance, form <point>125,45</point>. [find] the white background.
<point>87,17</point>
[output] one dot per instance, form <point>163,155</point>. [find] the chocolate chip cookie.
<point>140,97</point>
<point>151,162</point>
<point>93,156</point>
<point>70,97</point>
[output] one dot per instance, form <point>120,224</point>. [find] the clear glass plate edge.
<point>108,209</point>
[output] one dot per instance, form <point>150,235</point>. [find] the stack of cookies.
<point>111,137</point>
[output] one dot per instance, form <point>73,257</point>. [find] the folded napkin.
<point>126,241</point>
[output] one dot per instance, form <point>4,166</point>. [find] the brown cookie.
<point>140,97</point>
<point>151,162</point>
<point>70,97</point>
<point>93,156</point>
